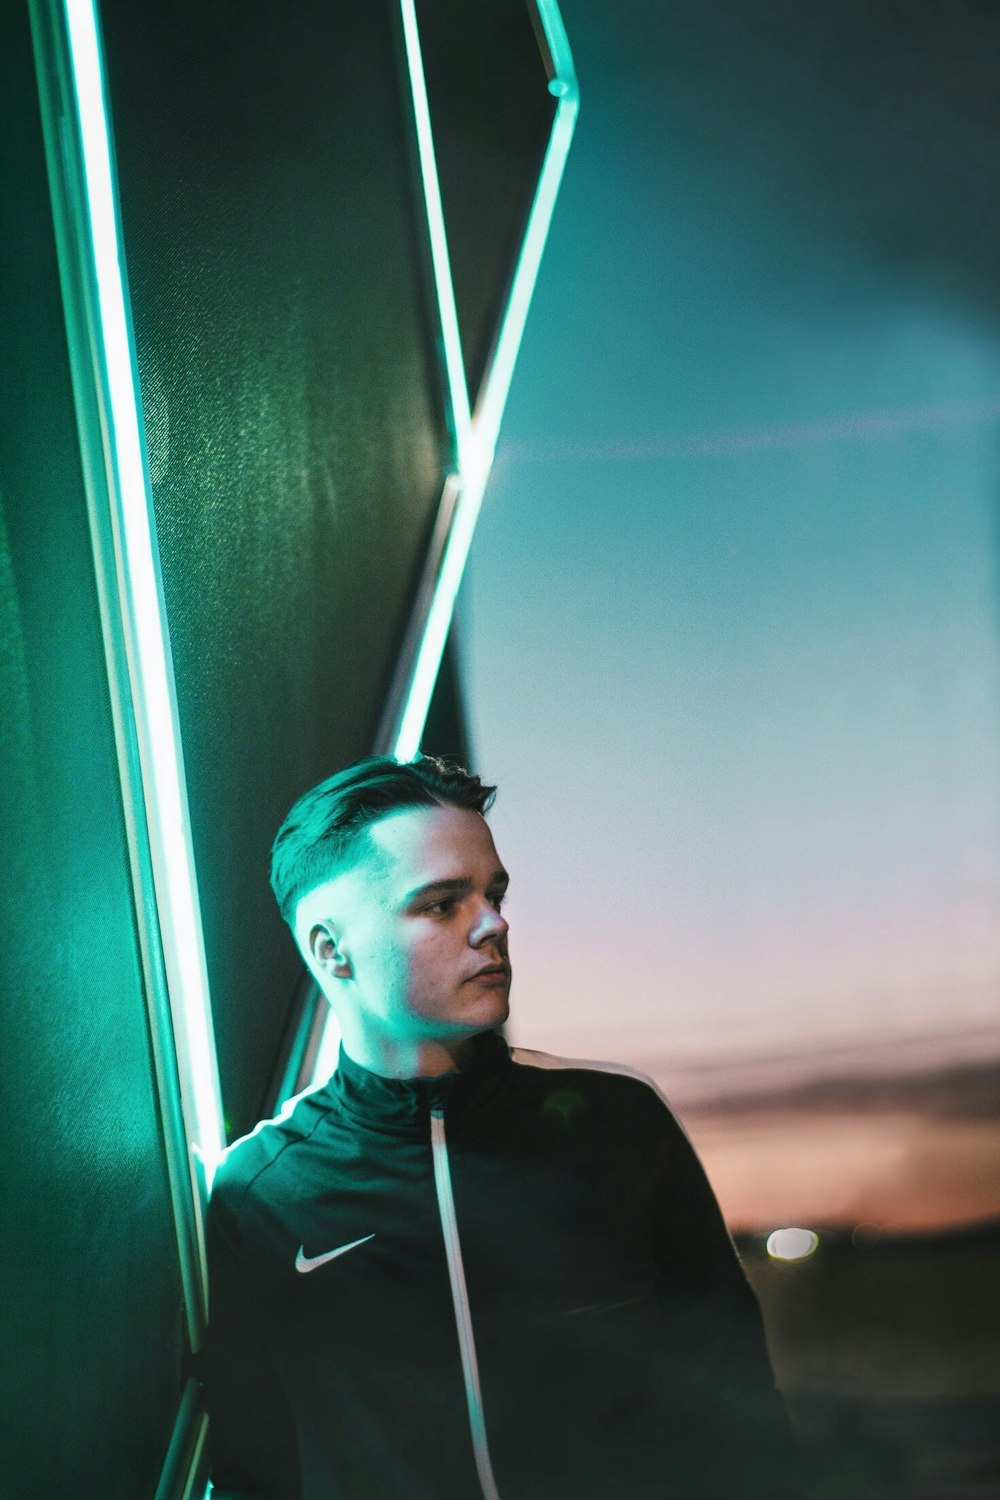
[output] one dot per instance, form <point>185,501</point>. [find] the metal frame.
<point>80,157</point>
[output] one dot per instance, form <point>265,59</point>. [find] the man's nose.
<point>492,926</point>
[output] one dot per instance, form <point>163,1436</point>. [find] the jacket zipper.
<point>459,1296</point>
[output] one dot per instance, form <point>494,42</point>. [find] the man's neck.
<point>406,1057</point>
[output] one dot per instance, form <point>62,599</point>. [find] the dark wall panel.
<point>445,732</point>
<point>92,1321</point>
<point>275,245</point>
<point>492,116</point>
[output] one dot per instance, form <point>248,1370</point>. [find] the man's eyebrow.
<point>434,886</point>
<point>459,885</point>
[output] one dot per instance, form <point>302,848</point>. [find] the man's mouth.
<point>491,971</point>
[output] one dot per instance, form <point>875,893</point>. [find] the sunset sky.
<point>730,640</point>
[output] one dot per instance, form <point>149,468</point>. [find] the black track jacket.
<point>511,1282</point>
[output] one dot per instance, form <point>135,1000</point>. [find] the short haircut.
<point>323,824</point>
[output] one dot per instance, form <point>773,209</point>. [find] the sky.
<point>730,647</point>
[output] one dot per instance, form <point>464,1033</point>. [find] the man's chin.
<point>491,1011</point>
<point>494,1023</point>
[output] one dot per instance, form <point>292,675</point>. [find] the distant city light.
<point>792,1244</point>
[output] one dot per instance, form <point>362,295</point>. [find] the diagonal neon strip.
<point>432,644</point>
<point>563,86</point>
<point>458,389</point>
<point>142,609</point>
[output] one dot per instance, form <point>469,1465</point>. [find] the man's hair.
<point>323,824</point>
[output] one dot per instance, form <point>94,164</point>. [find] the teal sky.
<point>730,620</point>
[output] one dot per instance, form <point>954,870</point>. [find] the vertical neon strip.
<point>329,1049</point>
<point>142,611</point>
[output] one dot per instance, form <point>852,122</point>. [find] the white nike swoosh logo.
<point>305,1263</point>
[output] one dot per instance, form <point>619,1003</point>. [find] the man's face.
<point>419,927</point>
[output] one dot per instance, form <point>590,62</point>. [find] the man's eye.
<point>498,898</point>
<point>444,905</point>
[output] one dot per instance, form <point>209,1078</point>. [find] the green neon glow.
<point>428,659</point>
<point>475,453</point>
<point>329,1049</point>
<point>142,611</point>
<point>458,389</point>
<point>562,86</point>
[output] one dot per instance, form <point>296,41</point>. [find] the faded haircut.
<point>319,831</point>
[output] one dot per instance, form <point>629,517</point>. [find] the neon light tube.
<point>143,614</point>
<point>458,388</point>
<point>489,413</point>
<point>432,644</point>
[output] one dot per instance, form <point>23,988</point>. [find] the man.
<point>457,1272</point>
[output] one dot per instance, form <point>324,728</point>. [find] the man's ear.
<point>327,952</point>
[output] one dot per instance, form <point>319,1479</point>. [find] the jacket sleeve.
<point>251,1436</point>
<point>738,1419</point>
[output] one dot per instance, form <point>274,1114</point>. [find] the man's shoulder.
<point>622,1101</point>
<point>251,1157</point>
<point>616,1081</point>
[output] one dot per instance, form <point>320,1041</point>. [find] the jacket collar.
<point>406,1103</point>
